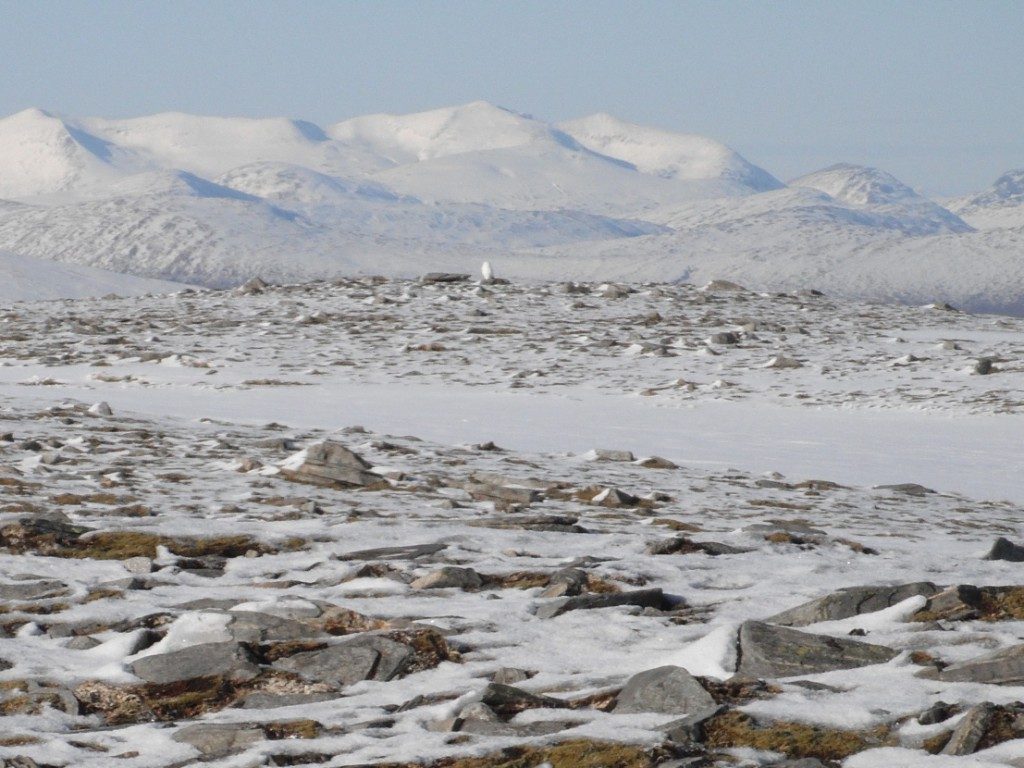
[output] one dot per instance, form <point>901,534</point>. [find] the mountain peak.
<point>665,153</point>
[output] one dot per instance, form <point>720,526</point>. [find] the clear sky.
<point>930,91</point>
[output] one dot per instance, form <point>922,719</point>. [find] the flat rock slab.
<point>1003,667</point>
<point>643,598</point>
<point>214,739</point>
<point>408,552</point>
<point>228,659</point>
<point>851,601</point>
<point>669,690</point>
<point>768,651</point>
<point>362,658</point>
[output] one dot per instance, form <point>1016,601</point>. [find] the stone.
<point>510,675</point>
<point>656,462</point>
<point>936,713</point>
<point>81,643</point>
<point>970,730</point>
<point>365,657</point>
<point>100,409</point>
<point>217,739</point>
<point>768,651</point>
<point>408,552</point>
<point>330,464</point>
<point>448,577</point>
<point>727,337</point>
<point>851,601</point>
<point>262,700</point>
<point>961,602</point>
<point>567,582</point>
<point>444,277</point>
<point>227,659</point>
<point>983,366</point>
<point>782,362</point>
<point>909,489</point>
<point>252,287</point>
<point>482,491</point>
<point>508,701</point>
<point>668,690</point>
<point>1002,667</point>
<point>255,627</point>
<point>139,565</point>
<point>688,729</point>
<point>1004,549</point>
<point>643,598</point>
<point>615,498</point>
<point>32,590</point>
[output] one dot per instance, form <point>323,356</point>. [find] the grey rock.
<point>1004,549</point>
<point>983,366</point>
<point>910,489</point>
<point>669,690</point>
<point>727,337</point>
<point>851,601</point>
<point>261,700</point>
<point>482,491</point>
<point>408,552</point>
<point>447,577</point>
<point>477,710</point>
<point>215,739</point>
<point>936,713</point>
<point>644,598</point>
<point>139,565</point>
<point>768,651</point>
<point>970,730</point>
<point>507,700</point>
<point>32,590</point>
<point>331,464</point>
<point>690,729</point>
<point>365,657</point>
<point>226,659</point>
<point>961,602</point>
<point>656,462</point>
<point>510,676</point>
<point>444,277</point>
<point>255,627</point>
<point>566,583</point>
<point>1003,667</point>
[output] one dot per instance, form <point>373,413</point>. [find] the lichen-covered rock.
<point>227,659</point>
<point>668,690</point>
<point>332,465</point>
<point>769,651</point>
<point>851,601</point>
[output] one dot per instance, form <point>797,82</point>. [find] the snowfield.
<point>215,201</point>
<point>481,524</point>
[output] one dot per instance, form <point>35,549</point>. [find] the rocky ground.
<point>179,589</point>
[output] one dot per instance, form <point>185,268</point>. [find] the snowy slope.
<point>23,278</point>
<point>666,154</point>
<point>877,191</point>
<point>1001,205</point>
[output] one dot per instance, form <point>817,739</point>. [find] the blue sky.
<point>931,91</point>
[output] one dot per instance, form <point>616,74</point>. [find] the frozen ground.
<point>916,457</point>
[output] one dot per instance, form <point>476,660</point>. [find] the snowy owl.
<point>486,271</point>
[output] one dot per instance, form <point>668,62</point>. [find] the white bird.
<point>486,271</point>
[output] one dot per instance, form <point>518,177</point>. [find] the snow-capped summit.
<point>1001,205</point>
<point>472,127</point>
<point>864,187</point>
<point>41,153</point>
<point>667,154</point>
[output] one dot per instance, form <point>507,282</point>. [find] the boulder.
<point>330,464</point>
<point>217,739</point>
<point>227,659</point>
<point>643,598</point>
<point>851,601</point>
<point>1004,549</point>
<point>365,657</point>
<point>447,577</point>
<point>768,651</point>
<point>1002,667</point>
<point>668,690</point>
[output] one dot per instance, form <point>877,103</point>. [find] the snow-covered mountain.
<point>215,200</point>
<point>876,191</point>
<point>1001,205</point>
